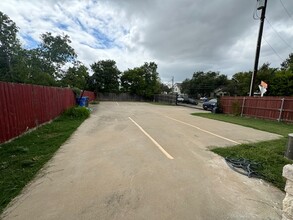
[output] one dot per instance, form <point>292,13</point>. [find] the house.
<point>218,92</point>
<point>177,88</point>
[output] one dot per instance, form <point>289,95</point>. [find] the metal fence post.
<point>281,109</point>
<point>242,109</point>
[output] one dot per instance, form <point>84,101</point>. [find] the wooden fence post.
<point>281,110</point>
<point>242,109</point>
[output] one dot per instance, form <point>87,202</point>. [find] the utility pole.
<point>262,6</point>
<point>172,83</point>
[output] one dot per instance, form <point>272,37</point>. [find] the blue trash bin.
<point>83,101</point>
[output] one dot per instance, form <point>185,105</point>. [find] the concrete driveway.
<point>144,161</point>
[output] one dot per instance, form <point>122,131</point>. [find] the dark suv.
<point>209,105</point>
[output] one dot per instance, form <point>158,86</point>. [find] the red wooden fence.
<point>89,94</point>
<point>273,108</point>
<point>24,106</point>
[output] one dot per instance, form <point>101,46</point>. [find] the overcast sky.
<point>181,36</point>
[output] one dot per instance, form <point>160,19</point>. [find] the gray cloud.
<point>186,36</point>
<point>181,36</point>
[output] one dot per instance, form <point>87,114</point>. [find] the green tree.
<point>231,87</point>
<point>132,81</point>
<point>9,47</point>
<point>279,81</point>
<point>165,88</point>
<point>151,79</point>
<point>76,76</point>
<point>185,86</point>
<point>38,73</point>
<point>19,67</point>
<point>241,83</point>
<point>143,81</point>
<point>106,76</point>
<point>29,68</point>
<point>282,84</point>
<point>43,65</point>
<point>54,52</point>
<point>288,63</point>
<point>266,74</point>
<point>203,83</point>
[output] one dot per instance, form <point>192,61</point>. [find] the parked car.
<point>192,101</point>
<point>209,105</point>
<point>204,99</point>
<point>180,99</point>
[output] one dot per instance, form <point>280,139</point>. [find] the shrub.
<point>77,112</point>
<point>219,108</point>
<point>236,108</point>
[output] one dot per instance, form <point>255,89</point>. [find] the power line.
<point>274,50</point>
<point>286,10</point>
<point>279,34</point>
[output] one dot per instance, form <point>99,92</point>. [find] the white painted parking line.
<point>153,140</point>
<point>117,103</point>
<point>219,136</point>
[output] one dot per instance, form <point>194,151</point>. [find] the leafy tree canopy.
<point>9,47</point>
<point>43,65</point>
<point>241,81</point>
<point>106,76</point>
<point>282,84</point>
<point>76,76</point>
<point>203,83</point>
<point>288,63</point>
<point>54,52</point>
<point>143,81</point>
<point>47,65</point>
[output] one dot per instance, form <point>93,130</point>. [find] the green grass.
<point>23,157</point>
<point>270,154</point>
<point>264,125</point>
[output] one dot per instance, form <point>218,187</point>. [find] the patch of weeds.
<point>236,108</point>
<point>21,150</point>
<point>77,113</point>
<point>27,163</point>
